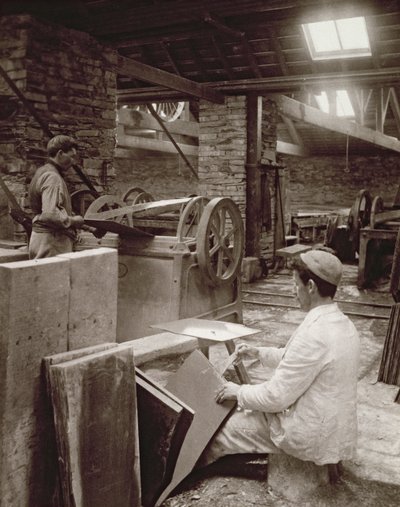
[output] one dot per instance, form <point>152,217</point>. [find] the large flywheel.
<point>109,203</point>
<point>190,217</point>
<point>359,217</point>
<point>220,241</point>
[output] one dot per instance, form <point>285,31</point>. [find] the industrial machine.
<point>178,258</point>
<point>370,234</point>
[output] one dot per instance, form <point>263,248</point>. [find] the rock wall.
<point>66,79</point>
<point>327,181</point>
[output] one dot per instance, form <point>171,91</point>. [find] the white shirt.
<point>311,400</point>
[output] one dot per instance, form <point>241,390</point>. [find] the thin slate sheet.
<point>195,383</point>
<point>215,330</point>
<point>163,425</point>
<point>94,400</point>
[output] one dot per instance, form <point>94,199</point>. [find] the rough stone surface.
<point>92,312</point>
<point>33,324</point>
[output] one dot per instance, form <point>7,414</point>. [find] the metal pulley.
<point>359,217</point>
<point>220,241</point>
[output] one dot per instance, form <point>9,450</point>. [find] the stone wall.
<point>163,175</point>
<point>327,182</point>
<point>64,76</point>
<point>223,154</point>
<point>222,150</point>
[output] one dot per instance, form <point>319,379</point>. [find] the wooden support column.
<point>253,179</point>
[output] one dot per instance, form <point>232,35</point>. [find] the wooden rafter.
<point>167,51</point>
<point>298,111</point>
<point>394,105</point>
<point>133,120</point>
<point>142,18</point>
<point>384,76</point>
<point>138,70</point>
<point>198,60</point>
<point>218,48</point>
<point>278,50</point>
<point>382,103</point>
<point>250,56</point>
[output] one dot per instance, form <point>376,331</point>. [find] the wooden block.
<point>93,297</point>
<point>163,424</point>
<point>293,250</point>
<point>94,400</point>
<point>33,324</point>
<point>195,384</point>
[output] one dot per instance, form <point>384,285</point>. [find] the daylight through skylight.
<point>342,103</point>
<point>340,38</point>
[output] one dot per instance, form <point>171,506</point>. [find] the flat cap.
<point>323,264</point>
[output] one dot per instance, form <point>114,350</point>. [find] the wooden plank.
<point>129,67</point>
<point>34,300</point>
<point>143,143</point>
<point>163,425</point>
<point>195,383</point>
<point>299,111</point>
<point>291,149</point>
<point>92,311</point>
<point>94,400</point>
<point>386,216</point>
<point>140,120</point>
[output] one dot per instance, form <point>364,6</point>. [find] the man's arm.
<point>301,364</point>
<point>53,211</point>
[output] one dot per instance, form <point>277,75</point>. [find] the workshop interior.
<point>216,142</point>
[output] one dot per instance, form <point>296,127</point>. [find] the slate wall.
<point>64,76</point>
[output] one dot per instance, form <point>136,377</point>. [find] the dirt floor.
<point>223,487</point>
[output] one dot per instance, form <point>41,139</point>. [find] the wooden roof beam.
<point>291,149</point>
<point>394,105</point>
<point>282,84</point>
<point>165,46</point>
<point>299,111</point>
<point>138,70</point>
<point>382,103</point>
<point>218,48</point>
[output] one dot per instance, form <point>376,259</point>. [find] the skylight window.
<point>342,104</point>
<point>339,38</point>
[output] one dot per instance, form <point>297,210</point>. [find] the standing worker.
<point>308,407</point>
<point>54,228</point>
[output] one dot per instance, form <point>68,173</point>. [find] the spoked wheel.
<point>81,200</point>
<point>143,197</point>
<point>109,203</point>
<point>190,218</point>
<point>220,241</point>
<point>376,208</point>
<point>130,194</point>
<point>359,217</point>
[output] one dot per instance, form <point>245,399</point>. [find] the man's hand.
<point>227,392</point>
<point>243,350</point>
<point>77,221</point>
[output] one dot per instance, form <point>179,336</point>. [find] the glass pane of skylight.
<point>343,104</point>
<point>322,101</point>
<point>353,33</point>
<point>324,36</point>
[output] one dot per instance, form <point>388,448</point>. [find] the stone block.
<point>251,269</point>
<point>298,481</point>
<point>33,324</point>
<point>92,316</point>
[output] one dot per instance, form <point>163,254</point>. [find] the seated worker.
<point>308,407</point>
<point>54,226</point>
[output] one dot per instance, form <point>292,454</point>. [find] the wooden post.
<point>253,178</point>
